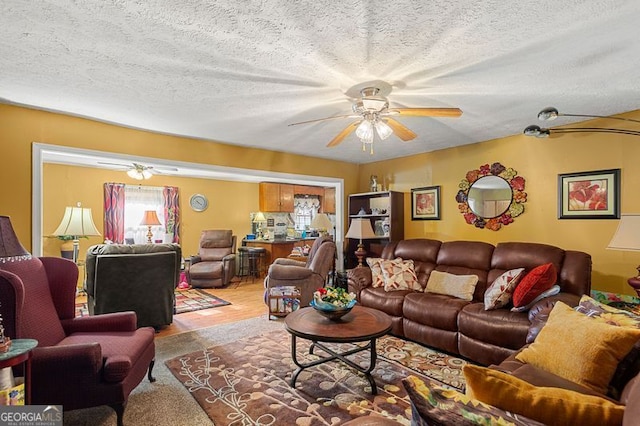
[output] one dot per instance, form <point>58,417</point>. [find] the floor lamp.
<point>150,219</point>
<point>78,223</point>
<point>360,229</point>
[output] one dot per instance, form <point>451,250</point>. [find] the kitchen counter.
<point>278,248</point>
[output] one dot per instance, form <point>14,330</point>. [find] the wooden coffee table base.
<point>342,356</point>
<point>360,328</point>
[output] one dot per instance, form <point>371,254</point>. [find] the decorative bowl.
<point>331,311</point>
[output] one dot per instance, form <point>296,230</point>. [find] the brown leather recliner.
<point>215,264</point>
<point>309,276</point>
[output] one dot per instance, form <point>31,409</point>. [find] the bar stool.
<point>251,262</point>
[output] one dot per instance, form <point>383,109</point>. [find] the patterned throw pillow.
<point>460,286</point>
<point>499,293</point>
<point>399,275</point>
<point>539,279</point>
<point>432,404</point>
<point>377,277</point>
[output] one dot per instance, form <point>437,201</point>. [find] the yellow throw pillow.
<point>460,286</point>
<point>551,406</point>
<point>573,346</point>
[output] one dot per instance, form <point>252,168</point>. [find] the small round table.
<point>360,325</point>
<point>19,352</point>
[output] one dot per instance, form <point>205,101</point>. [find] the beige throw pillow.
<point>377,277</point>
<point>460,286</point>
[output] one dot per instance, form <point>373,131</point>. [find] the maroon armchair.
<point>79,362</point>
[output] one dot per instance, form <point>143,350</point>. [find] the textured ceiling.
<point>239,71</point>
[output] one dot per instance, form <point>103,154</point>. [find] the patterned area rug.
<point>247,382</point>
<point>195,300</point>
<point>186,301</point>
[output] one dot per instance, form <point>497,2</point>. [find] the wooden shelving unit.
<point>389,205</point>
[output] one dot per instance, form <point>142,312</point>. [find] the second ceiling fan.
<point>374,116</point>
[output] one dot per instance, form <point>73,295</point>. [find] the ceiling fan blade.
<point>343,134</point>
<point>400,130</point>
<point>324,119</point>
<point>426,112</point>
<point>123,166</point>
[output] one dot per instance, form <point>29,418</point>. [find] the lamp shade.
<point>10,248</point>
<point>360,229</point>
<point>150,218</point>
<point>259,217</point>
<point>321,221</point>
<point>78,222</point>
<point>627,236</point>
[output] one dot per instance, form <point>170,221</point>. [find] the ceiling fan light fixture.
<point>383,129</point>
<point>146,174</point>
<point>133,173</point>
<point>365,130</point>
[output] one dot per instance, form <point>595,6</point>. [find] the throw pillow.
<point>539,279</point>
<point>433,404</point>
<point>573,346</point>
<point>499,293</point>
<point>399,275</point>
<point>551,292</point>
<point>608,314</point>
<point>377,278</point>
<point>552,406</point>
<point>460,286</point>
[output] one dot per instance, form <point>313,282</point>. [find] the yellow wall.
<point>539,161</point>
<point>20,127</point>
<point>65,186</point>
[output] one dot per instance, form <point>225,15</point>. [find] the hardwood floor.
<point>247,301</point>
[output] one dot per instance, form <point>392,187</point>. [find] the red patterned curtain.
<point>172,212</point>
<point>114,212</point>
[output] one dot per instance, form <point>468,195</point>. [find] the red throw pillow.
<point>538,280</point>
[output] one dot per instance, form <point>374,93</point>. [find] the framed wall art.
<point>425,203</point>
<point>589,195</point>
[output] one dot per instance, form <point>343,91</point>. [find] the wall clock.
<point>199,202</point>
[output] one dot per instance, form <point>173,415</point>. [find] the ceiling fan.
<point>374,116</point>
<point>138,171</point>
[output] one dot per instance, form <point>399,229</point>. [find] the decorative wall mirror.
<point>491,196</point>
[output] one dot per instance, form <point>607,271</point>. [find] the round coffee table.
<point>360,325</point>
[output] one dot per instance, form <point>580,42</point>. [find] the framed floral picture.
<point>589,195</point>
<point>425,203</point>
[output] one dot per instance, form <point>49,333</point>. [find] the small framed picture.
<point>425,203</point>
<point>589,195</point>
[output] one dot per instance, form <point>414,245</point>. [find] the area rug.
<point>186,301</point>
<point>246,382</point>
<point>194,300</point>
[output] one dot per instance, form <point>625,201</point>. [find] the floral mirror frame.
<point>516,208</point>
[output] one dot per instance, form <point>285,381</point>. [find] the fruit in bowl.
<point>333,302</point>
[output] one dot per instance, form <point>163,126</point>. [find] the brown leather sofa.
<point>461,327</point>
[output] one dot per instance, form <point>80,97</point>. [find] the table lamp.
<point>627,238</point>
<point>259,218</point>
<point>360,229</point>
<point>150,219</point>
<point>322,223</point>
<point>78,223</point>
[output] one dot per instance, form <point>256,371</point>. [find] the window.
<point>137,200</point>
<point>304,208</point>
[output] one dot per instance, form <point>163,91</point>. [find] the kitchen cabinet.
<point>328,204</point>
<point>378,207</point>
<point>276,197</point>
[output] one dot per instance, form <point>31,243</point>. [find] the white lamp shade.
<point>360,229</point>
<point>321,221</point>
<point>383,129</point>
<point>627,236</point>
<point>259,217</point>
<point>77,221</point>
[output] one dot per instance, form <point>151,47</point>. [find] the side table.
<point>20,352</point>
